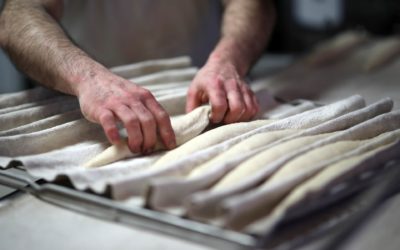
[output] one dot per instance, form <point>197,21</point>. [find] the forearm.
<point>40,48</point>
<point>246,28</point>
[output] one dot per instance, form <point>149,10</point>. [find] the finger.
<point>251,108</point>
<point>256,104</point>
<point>132,126</point>
<point>108,122</point>
<point>219,104</point>
<point>235,100</point>
<point>164,126</point>
<point>193,99</point>
<point>148,126</point>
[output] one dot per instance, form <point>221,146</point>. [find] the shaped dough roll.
<point>251,143</point>
<point>382,53</point>
<point>185,127</point>
<point>208,139</point>
<point>256,163</point>
<point>336,48</point>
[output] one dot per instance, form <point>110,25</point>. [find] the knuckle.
<point>162,115</point>
<point>130,119</point>
<point>147,94</point>
<point>147,121</point>
<point>237,109</point>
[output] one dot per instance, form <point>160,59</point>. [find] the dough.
<point>151,66</point>
<point>336,48</point>
<point>256,163</point>
<point>251,143</point>
<point>185,128</point>
<point>382,53</point>
<point>208,139</point>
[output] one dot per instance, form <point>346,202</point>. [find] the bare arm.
<point>246,27</point>
<point>30,34</point>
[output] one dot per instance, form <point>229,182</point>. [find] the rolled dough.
<point>208,139</point>
<point>382,53</point>
<point>185,127</point>
<point>251,143</point>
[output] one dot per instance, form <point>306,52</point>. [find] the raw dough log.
<point>247,145</point>
<point>314,190</point>
<point>245,208</point>
<point>168,76</point>
<point>185,128</point>
<point>336,48</point>
<point>176,190</point>
<point>205,204</point>
<point>151,66</point>
<point>382,53</point>
<point>137,183</point>
<point>210,138</point>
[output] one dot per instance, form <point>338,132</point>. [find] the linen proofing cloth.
<point>44,130</point>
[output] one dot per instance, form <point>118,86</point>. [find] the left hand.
<point>230,97</point>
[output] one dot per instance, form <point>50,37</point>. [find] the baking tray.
<point>299,229</point>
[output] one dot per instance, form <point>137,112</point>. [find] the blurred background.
<point>300,25</point>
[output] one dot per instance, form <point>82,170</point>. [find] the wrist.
<point>228,51</point>
<point>84,75</point>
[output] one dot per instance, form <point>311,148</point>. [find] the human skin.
<point>31,35</point>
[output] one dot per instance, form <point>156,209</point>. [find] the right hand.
<point>107,99</point>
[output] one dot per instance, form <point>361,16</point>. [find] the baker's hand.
<point>108,99</point>
<point>220,84</point>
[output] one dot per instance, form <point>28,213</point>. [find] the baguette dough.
<point>337,47</point>
<point>251,143</point>
<point>208,139</point>
<point>382,53</point>
<point>256,163</point>
<point>185,127</point>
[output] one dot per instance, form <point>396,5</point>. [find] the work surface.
<point>29,223</point>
